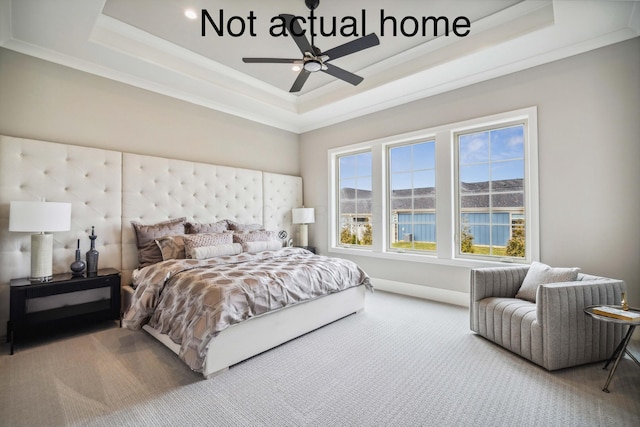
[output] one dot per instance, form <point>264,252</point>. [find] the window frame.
<point>335,211</point>
<point>458,196</point>
<point>357,215</point>
<point>446,192</point>
<point>388,194</point>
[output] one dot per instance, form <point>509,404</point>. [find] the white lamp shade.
<point>38,217</point>
<point>304,215</point>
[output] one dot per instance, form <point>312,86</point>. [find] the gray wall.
<point>46,101</point>
<point>589,150</point>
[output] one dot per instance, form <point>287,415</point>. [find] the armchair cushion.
<point>540,274</point>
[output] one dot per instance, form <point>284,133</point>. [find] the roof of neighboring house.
<point>508,193</point>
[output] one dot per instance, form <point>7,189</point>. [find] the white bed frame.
<point>109,189</point>
<point>254,336</point>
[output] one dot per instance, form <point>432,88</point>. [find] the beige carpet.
<point>402,362</point>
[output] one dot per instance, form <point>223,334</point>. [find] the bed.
<point>218,311</point>
<point>111,190</point>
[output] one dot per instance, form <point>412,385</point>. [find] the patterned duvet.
<point>193,300</point>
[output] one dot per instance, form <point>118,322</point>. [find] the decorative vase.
<point>92,255</point>
<point>623,303</point>
<point>77,266</point>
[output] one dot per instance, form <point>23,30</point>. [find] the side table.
<point>622,347</point>
<point>24,322</point>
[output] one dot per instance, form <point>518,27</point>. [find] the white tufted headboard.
<point>108,189</point>
<point>155,189</point>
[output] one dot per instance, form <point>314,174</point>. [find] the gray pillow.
<point>255,236</point>
<point>146,235</point>
<point>172,247</point>
<point>211,227</point>
<point>236,226</point>
<point>540,274</point>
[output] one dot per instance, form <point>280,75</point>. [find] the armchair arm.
<point>558,301</point>
<point>571,337</point>
<point>501,282</point>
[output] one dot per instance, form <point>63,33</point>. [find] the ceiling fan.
<point>314,59</point>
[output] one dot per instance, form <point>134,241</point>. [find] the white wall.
<point>46,101</point>
<point>589,150</point>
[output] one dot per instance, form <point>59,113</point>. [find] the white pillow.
<point>540,274</point>
<point>204,252</point>
<point>268,245</point>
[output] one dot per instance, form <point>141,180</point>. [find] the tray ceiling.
<point>152,45</point>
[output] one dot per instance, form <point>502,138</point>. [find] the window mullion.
<point>378,201</point>
<point>445,195</point>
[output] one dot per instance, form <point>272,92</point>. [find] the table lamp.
<point>39,218</point>
<point>303,216</point>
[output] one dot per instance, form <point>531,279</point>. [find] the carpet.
<point>402,362</point>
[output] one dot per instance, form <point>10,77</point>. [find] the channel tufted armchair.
<point>550,329</point>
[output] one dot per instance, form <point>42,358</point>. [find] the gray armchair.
<point>554,332</point>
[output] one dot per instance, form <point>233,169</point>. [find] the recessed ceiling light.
<point>296,68</point>
<point>191,14</point>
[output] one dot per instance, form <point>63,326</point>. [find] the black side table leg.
<point>623,343</point>
<point>615,354</point>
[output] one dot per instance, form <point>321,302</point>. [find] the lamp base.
<point>303,236</point>
<point>41,257</point>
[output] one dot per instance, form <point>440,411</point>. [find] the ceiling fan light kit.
<point>313,59</point>
<point>313,65</point>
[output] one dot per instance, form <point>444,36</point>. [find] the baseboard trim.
<point>426,292</point>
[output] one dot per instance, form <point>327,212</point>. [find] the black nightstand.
<point>24,323</point>
<point>311,249</point>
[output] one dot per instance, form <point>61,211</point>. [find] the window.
<point>355,225</point>
<point>412,197</point>
<point>459,193</point>
<point>491,182</point>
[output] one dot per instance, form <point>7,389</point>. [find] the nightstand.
<point>311,249</point>
<point>33,309</point>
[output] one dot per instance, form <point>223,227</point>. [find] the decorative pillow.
<point>206,239</point>
<point>255,236</point>
<point>540,274</point>
<point>148,252</point>
<point>211,227</point>
<point>171,247</point>
<point>236,226</point>
<point>253,247</point>
<point>205,252</point>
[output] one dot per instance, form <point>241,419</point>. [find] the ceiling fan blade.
<point>353,46</point>
<point>293,28</point>
<point>343,74</point>
<point>271,61</point>
<point>300,81</point>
